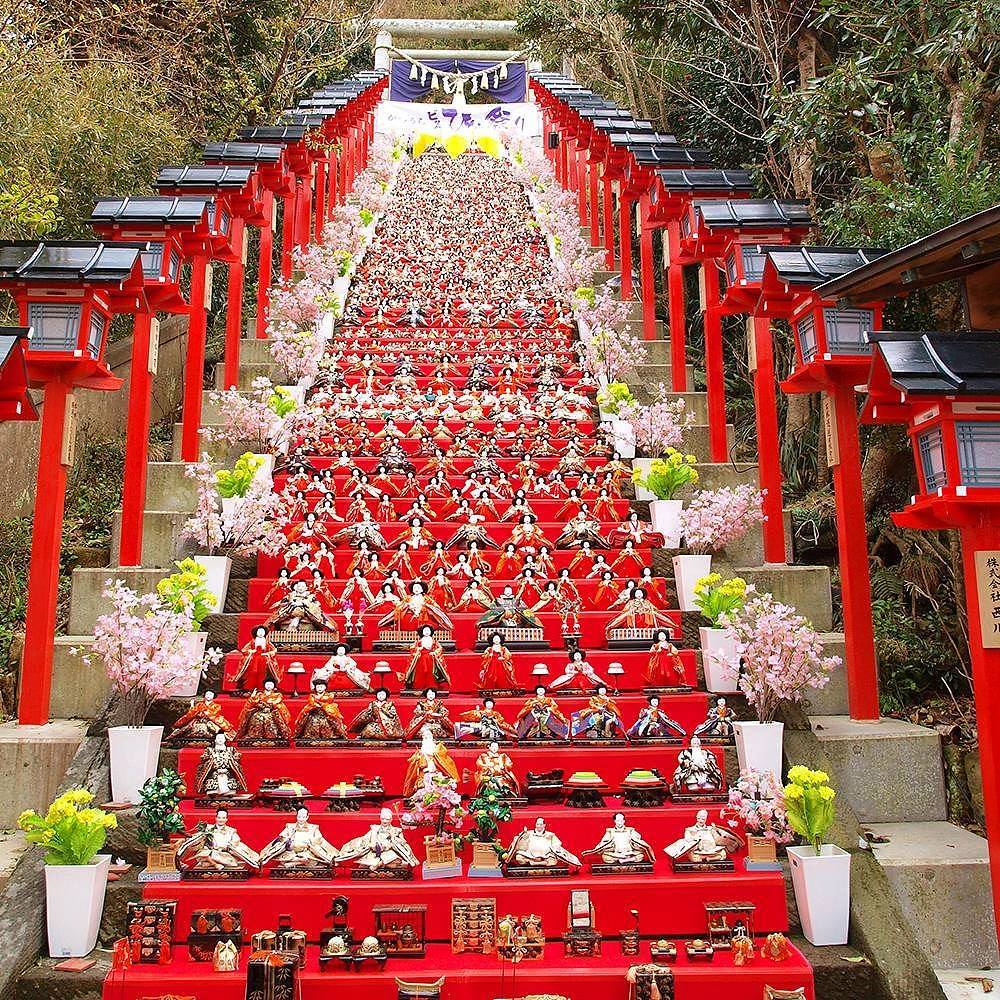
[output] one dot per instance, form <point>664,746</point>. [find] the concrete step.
<point>890,771</point>
<point>78,690</point>
<point>967,984</point>
<point>254,351</point>
<point>33,760</point>
<point>12,846</point>
<point>941,876</point>
<point>86,600</point>
<point>161,537</point>
<point>168,488</point>
<point>249,370</point>
<point>647,378</point>
<point>805,588</point>
<point>832,699</point>
<point>219,452</point>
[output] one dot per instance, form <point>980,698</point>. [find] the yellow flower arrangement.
<point>809,802</point>
<point>71,831</point>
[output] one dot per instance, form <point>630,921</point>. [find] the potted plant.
<point>712,520</point>
<point>76,876</point>
<point>488,809</point>
<point>144,648</point>
<point>160,825</point>
<point>716,599</point>
<point>821,873</point>
<point>757,803</point>
<point>659,425</point>
<point>665,478</point>
<point>611,397</point>
<point>779,656</point>
<point>437,803</point>
<point>186,593</point>
<point>233,485</point>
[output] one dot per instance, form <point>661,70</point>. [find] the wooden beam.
<point>405,27</point>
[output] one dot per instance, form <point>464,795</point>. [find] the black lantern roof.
<point>620,125</point>
<point>693,181</point>
<point>280,134</point>
<point>311,118</point>
<point>637,139</point>
<point>952,364</point>
<point>72,261</point>
<point>242,152</point>
<point>200,175</point>
<point>615,113</point>
<point>650,155</point>
<point>329,104</point>
<point>170,211</point>
<point>754,214</point>
<point>802,265</point>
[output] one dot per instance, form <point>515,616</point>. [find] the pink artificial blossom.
<point>714,519</point>
<point>778,654</point>
<point>659,425</point>
<point>247,417</point>
<point>757,803</point>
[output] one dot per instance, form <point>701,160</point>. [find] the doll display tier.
<point>510,409</point>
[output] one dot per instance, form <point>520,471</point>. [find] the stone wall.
<point>100,414</point>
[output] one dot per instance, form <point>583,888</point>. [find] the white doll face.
<point>220,741</point>
<point>302,816</point>
<point>619,821</point>
<point>381,695</point>
<point>269,686</point>
<point>539,825</point>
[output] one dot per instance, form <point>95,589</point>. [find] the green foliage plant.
<point>236,483</point>
<point>185,592</point>
<point>666,476</point>
<point>716,598</point>
<point>159,818</point>
<point>809,803</point>
<point>615,395</point>
<point>71,831</point>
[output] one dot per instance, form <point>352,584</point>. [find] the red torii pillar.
<point>675,309</point>
<point>581,185</point>
<point>234,304</point>
<point>194,366</point>
<point>625,241</point>
<point>265,264</point>
<point>647,277</point>
<point>595,204</point>
<point>715,374</point>
<point>609,221</point>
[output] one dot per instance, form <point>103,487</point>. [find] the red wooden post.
<point>715,375</point>
<point>289,211</point>
<point>569,167</point>
<point>609,223</point>
<point>303,215</point>
<point>769,473</point>
<point>140,391</point>
<point>985,665</point>
<point>319,211</point>
<point>647,278</point>
<point>675,307</point>
<point>332,169</point>
<point>234,307</point>
<point>265,266</point>
<point>852,542</point>
<point>581,185</point>
<point>625,243</point>
<point>194,368</point>
<point>594,206</point>
<point>43,575</point>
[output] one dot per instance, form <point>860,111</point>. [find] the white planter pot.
<point>188,687</point>
<point>265,471</point>
<point>716,646</point>
<point>74,902</point>
<point>822,884</point>
<point>666,518</point>
<point>217,570</point>
<point>624,438</point>
<point>326,326</point>
<point>607,417</point>
<point>298,393</point>
<point>688,570</point>
<point>758,746</point>
<point>135,754</point>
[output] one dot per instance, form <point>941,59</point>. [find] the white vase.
<point>666,518</point>
<point>135,754</point>
<point>624,438</point>
<point>217,570</point>
<point>758,746</point>
<point>688,570</point>
<point>326,326</point>
<point>265,471</point>
<point>822,884</point>
<point>187,687</point>
<point>74,902</point>
<point>716,649</point>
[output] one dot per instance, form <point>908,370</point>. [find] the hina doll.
<point>259,662</point>
<point>697,772</point>
<point>664,668</point>
<point>654,724</point>
<point>202,722</point>
<point>417,610</point>
<point>300,610</point>
<point>507,612</point>
<point>540,849</point>
<point>638,532</point>
<point>216,848</point>
<point>485,722</point>
<point>599,719</point>
<point>496,767</point>
<point>496,667</point>
<point>265,719</point>
<point>623,848</point>
<point>382,849</point>
<point>401,562</point>
<point>320,720</point>
<point>300,847</point>
<point>429,712</point>
<point>440,590</point>
<point>431,759</point>
<point>477,597</point>
<point>540,718</point>
<point>719,724</point>
<point>379,720</point>
<point>639,612</point>
<point>579,529</point>
<point>220,771</point>
<point>437,560</point>
<point>341,663</point>
<point>577,673</point>
<point>526,535</point>
<point>628,562</point>
<point>426,667</point>
<point>365,530</point>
